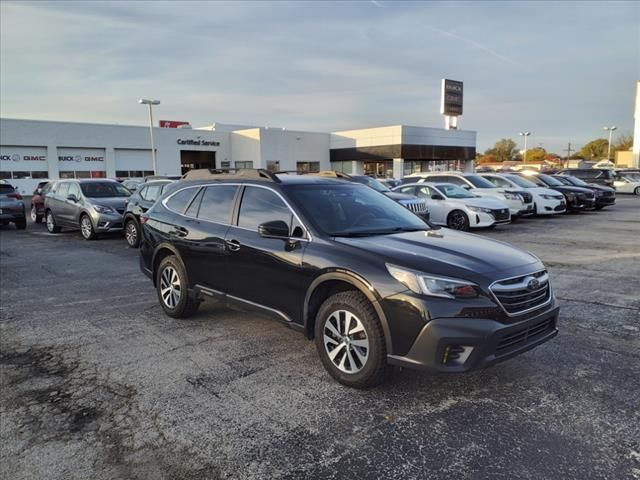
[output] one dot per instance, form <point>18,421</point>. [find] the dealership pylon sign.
<point>451,102</point>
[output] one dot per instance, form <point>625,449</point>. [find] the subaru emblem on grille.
<point>533,284</point>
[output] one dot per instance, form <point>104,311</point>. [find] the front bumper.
<point>528,210</point>
<point>550,206</point>
<point>464,344</point>
<point>107,222</point>
<point>603,201</point>
<point>578,204</point>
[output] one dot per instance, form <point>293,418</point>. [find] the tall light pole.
<point>610,130</point>
<point>144,101</point>
<point>525,135</point>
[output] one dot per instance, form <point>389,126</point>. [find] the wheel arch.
<point>331,282</point>
<point>161,252</point>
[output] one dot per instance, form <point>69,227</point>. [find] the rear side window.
<point>181,200</point>
<point>425,191</point>
<point>217,203</point>
<point>62,189</point>
<point>75,190</point>
<point>260,205</point>
<point>499,182</point>
<point>407,190</point>
<point>151,193</point>
<point>6,188</point>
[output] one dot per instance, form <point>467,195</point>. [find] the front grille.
<point>559,207</point>
<point>500,214</point>
<point>526,196</point>
<point>416,207</point>
<point>522,294</point>
<point>608,194</point>
<point>521,337</point>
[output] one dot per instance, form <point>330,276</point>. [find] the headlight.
<point>512,196</point>
<point>478,209</point>
<point>548,197</point>
<point>433,286</point>
<point>102,209</point>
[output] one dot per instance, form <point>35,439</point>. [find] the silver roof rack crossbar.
<point>230,174</point>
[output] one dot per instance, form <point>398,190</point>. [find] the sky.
<point>561,70</point>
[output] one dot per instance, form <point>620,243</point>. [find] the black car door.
<point>266,271</point>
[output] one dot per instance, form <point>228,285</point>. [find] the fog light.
<point>456,355</point>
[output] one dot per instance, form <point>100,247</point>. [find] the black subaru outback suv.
<point>370,281</point>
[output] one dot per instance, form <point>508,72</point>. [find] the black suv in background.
<point>591,175</point>
<point>138,203</point>
<point>578,198</point>
<point>604,195</point>
<point>11,206</point>
<point>371,282</point>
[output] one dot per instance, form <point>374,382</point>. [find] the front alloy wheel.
<point>86,228</point>
<point>345,341</point>
<point>458,220</point>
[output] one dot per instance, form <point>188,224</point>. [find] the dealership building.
<point>32,150</point>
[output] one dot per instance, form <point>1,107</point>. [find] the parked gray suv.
<point>92,206</point>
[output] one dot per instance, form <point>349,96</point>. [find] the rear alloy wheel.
<point>458,220</point>
<point>173,294</point>
<point>637,191</point>
<point>86,228</point>
<point>51,223</point>
<point>350,340</point>
<point>35,218</point>
<point>132,233</point>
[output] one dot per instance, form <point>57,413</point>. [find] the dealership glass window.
<point>80,174</point>
<point>67,174</point>
<point>383,168</point>
<point>308,167</point>
<point>5,175</point>
<point>260,205</point>
<point>122,173</point>
<point>217,202</point>
<point>21,174</point>
<point>344,167</point>
<point>42,174</point>
<point>244,164</point>
<point>273,166</point>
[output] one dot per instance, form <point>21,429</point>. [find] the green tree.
<point>504,150</point>
<point>536,154</point>
<point>594,150</point>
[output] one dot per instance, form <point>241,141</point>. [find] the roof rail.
<point>230,174</point>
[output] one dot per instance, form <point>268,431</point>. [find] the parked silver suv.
<point>92,206</point>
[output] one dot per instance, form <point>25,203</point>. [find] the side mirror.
<point>466,187</point>
<point>437,196</point>
<point>39,191</point>
<point>274,229</point>
<point>72,197</point>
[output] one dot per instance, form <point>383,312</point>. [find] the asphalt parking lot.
<point>98,383</point>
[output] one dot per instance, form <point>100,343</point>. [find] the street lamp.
<point>144,101</point>
<point>610,130</point>
<point>525,135</point>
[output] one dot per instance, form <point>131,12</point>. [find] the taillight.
<point>143,219</point>
<point>15,195</point>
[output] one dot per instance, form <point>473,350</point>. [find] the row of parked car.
<point>460,201</point>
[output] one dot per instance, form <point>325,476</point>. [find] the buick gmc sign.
<point>79,158</point>
<point>28,158</point>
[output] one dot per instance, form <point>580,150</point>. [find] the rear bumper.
<point>9,214</point>
<point>464,344</point>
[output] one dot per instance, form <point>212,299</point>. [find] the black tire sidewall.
<point>466,225</point>
<point>352,301</point>
<point>183,308</point>
<point>137,227</point>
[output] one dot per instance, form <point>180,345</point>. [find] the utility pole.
<point>568,150</point>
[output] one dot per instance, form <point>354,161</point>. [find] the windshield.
<point>450,190</point>
<point>351,210</point>
<point>549,180</point>
<point>104,189</point>
<point>574,181</point>
<point>371,182</point>
<point>479,182</point>
<point>522,182</point>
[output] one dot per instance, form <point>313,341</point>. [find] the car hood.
<point>568,189</point>
<point>484,202</point>
<point>602,188</point>
<point>113,202</point>
<point>542,191</point>
<point>449,253</point>
<point>399,196</point>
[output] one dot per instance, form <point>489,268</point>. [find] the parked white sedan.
<point>457,208</point>
<point>546,201</point>
<point>627,184</point>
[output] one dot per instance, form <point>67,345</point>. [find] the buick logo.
<point>15,157</point>
<point>77,158</point>
<point>533,284</point>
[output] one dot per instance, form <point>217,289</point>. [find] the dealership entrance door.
<point>190,159</point>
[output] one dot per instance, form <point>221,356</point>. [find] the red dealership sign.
<point>171,123</point>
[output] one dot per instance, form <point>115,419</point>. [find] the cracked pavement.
<point>96,382</point>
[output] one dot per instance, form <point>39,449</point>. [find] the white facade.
<point>33,150</point>
<point>635,163</point>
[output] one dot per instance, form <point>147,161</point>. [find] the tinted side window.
<point>74,189</point>
<point>217,203</point>
<point>192,211</point>
<point>425,192</point>
<point>181,200</point>
<point>455,180</point>
<point>499,182</point>
<point>407,190</point>
<point>260,205</point>
<point>151,193</point>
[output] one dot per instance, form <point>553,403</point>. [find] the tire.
<point>86,227</point>
<point>637,191</point>
<point>600,207</point>
<point>458,220</point>
<point>21,224</point>
<point>132,232</point>
<point>35,218</point>
<point>367,365</point>
<point>52,227</point>
<point>176,302</point>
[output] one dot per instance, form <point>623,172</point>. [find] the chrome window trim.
<point>522,312</point>
<point>204,185</point>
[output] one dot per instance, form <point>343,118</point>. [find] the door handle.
<point>233,245</point>
<point>180,231</point>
